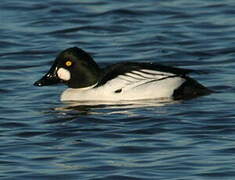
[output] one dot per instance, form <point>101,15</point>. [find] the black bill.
<point>49,79</point>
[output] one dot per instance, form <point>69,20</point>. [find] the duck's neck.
<point>85,78</point>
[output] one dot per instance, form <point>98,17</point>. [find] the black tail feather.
<point>190,89</point>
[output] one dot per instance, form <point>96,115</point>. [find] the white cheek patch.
<point>64,74</point>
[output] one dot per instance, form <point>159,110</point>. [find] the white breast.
<point>135,85</point>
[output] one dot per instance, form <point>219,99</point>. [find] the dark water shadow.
<point>90,107</point>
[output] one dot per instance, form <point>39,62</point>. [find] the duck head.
<point>73,67</point>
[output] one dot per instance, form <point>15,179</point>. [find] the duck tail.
<point>190,89</point>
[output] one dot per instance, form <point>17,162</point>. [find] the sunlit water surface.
<point>43,138</point>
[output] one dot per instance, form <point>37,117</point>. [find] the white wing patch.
<point>137,78</point>
<point>152,74</point>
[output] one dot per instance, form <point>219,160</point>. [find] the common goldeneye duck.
<point>122,81</point>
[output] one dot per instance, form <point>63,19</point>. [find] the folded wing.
<point>137,78</point>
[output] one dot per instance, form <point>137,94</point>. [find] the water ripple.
<point>43,138</point>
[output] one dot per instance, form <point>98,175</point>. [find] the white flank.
<point>64,74</point>
<point>135,85</point>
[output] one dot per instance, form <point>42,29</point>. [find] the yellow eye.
<point>68,63</point>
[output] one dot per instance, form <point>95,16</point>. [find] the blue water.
<point>43,138</point>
